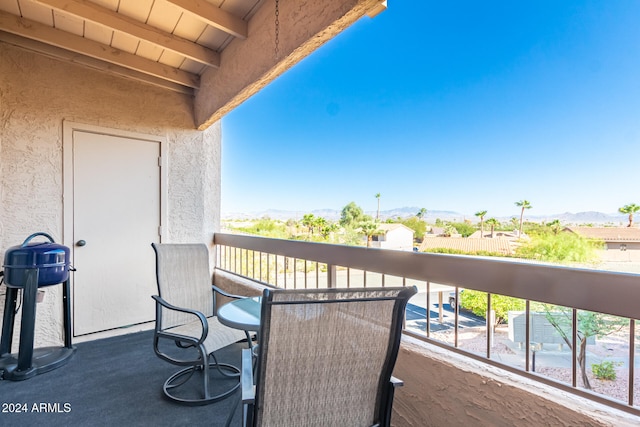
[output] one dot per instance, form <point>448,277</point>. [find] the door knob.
<point>81,243</point>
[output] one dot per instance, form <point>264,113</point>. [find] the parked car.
<point>452,299</point>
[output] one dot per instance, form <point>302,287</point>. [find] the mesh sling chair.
<point>185,315</point>
<point>325,357</point>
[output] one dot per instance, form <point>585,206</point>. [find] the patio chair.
<point>325,357</point>
<point>186,316</point>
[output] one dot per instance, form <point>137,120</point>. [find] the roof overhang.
<point>220,52</point>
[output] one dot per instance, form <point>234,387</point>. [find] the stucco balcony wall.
<point>443,388</point>
<point>37,95</point>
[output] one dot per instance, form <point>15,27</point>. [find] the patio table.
<point>243,314</point>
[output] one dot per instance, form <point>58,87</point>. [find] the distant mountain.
<point>590,217</point>
<point>567,218</point>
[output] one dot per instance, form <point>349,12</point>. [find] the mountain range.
<point>590,217</point>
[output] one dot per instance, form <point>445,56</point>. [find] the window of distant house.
<point>623,247</point>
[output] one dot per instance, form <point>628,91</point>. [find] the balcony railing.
<point>590,298</point>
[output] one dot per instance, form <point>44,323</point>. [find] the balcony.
<point>448,380</point>
<point>457,366</point>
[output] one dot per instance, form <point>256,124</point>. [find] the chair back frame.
<point>350,307</point>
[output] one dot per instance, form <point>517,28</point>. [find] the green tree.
<point>369,228</point>
<point>351,215</point>
<point>562,248</point>
<point>265,227</point>
<point>476,302</point>
<point>481,214</point>
<point>419,227</point>
<point>378,211</point>
<point>309,220</point>
<point>421,213</point>
<point>590,324</point>
<point>523,204</point>
<point>449,230</point>
<point>463,228</point>
<point>555,226</point>
<point>629,209</point>
<point>327,228</point>
<point>493,223</point>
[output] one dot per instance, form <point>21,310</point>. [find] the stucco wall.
<point>443,388</point>
<point>36,94</point>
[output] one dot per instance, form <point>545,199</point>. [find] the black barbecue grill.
<point>27,267</point>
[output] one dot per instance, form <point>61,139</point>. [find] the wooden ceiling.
<point>169,43</point>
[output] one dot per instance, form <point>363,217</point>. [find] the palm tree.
<point>369,228</point>
<point>630,209</point>
<point>308,220</point>
<point>481,214</point>
<point>524,204</point>
<point>493,223</point>
<point>378,213</point>
<point>421,213</point>
<point>555,226</point>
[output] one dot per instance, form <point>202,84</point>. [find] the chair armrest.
<point>246,377</point>
<point>225,293</point>
<point>396,382</point>
<point>161,303</point>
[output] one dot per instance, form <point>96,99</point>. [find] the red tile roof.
<point>608,234</point>
<point>495,245</point>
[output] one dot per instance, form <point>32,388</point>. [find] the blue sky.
<point>456,105</point>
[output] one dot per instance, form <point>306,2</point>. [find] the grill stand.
<point>30,362</point>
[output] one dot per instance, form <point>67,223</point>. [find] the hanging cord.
<point>19,291</point>
<point>277,23</point>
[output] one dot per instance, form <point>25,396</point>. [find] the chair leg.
<point>172,386</point>
<point>173,383</point>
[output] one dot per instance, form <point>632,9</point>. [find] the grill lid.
<point>51,260</point>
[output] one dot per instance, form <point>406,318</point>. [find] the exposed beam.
<point>214,16</point>
<point>115,21</point>
<point>85,61</point>
<point>36,31</point>
<point>377,9</point>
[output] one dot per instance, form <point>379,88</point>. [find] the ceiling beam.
<point>85,61</point>
<point>115,21</point>
<point>214,16</point>
<point>36,31</point>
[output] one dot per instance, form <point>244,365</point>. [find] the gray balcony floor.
<point>111,382</point>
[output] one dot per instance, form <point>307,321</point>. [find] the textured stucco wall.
<point>446,389</point>
<point>36,94</point>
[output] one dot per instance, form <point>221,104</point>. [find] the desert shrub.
<point>604,370</point>
<point>476,302</point>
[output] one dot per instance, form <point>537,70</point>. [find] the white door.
<point>116,217</point>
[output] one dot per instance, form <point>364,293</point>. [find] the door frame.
<point>68,128</point>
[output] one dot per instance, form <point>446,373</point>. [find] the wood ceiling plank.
<point>10,6</point>
<point>68,23</point>
<point>171,59</point>
<point>36,12</point>
<point>98,33</point>
<point>108,4</point>
<point>189,27</point>
<point>151,51</point>
<point>164,16</point>
<point>138,10</point>
<point>214,16</point>
<point>36,31</point>
<point>125,42</point>
<point>121,23</point>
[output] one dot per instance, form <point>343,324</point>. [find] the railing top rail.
<point>594,290</point>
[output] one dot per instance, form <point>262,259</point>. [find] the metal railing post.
<point>332,276</point>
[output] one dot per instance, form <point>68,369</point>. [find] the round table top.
<point>241,314</point>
